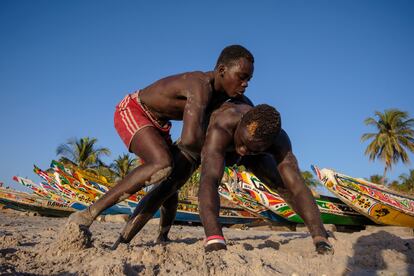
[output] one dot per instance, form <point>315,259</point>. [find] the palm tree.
<point>123,165</point>
<point>104,170</point>
<point>395,135</point>
<point>407,181</point>
<point>395,185</point>
<point>377,179</point>
<point>310,181</point>
<point>82,152</point>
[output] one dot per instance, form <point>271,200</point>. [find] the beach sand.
<point>32,245</point>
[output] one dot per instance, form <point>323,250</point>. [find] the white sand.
<point>31,244</point>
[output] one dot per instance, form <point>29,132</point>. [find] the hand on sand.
<point>324,248</point>
<point>215,247</point>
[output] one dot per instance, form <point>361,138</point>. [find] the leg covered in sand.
<point>168,211</point>
<point>153,149</point>
<point>165,195</point>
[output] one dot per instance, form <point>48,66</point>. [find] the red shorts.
<point>131,116</point>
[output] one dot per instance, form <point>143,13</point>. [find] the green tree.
<point>310,181</point>
<point>377,179</point>
<point>407,181</point>
<point>104,170</point>
<point>190,188</point>
<point>123,165</point>
<point>83,152</point>
<point>394,136</point>
<point>394,185</point>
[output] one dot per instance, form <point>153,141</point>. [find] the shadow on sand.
<point>370,254</point>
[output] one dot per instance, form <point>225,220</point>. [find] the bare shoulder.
<point>228,115</point>
<point>281,146</point>
<point>183,81</point>
<point>198,78</point>
<point>199,75</point>
<point>192,83</point>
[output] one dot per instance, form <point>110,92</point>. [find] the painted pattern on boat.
<point>376,202</point>
<point>247,189</point>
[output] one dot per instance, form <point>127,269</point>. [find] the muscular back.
<point>167,97</point>
<point>223,123</point>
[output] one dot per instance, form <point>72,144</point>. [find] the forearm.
<point>299,196</point>
<point>192,137</point>
<point>209,203</point>
<point>208,197</point>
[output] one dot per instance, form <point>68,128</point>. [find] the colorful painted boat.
<point>28,202</point>
<point>244,201</point>
<point>85,185</point>
<point>63,185</point>
<point>188,211</point>
<point>247,188</point>
<point>79,201</point>
<point>42,190</point>
<point>376,202</point>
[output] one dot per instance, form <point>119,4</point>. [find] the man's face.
<point>236,77</point>
<point>244,143</point>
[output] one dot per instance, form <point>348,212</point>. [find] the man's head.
<point>257,130</point>
<point>234,69</point>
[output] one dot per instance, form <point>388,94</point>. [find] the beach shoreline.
<point>27,245</point>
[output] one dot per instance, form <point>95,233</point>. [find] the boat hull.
<point>377,203</point>
<point>246,187</point>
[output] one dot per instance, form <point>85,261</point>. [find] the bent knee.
<point>159,174</point>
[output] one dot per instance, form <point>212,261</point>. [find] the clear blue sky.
<point>325,65</point>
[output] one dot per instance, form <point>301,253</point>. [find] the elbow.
<point>188,142</point>
<point>190,149</point>
<point>191,142</point>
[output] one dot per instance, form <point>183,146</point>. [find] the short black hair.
<point>232,53</point>
<point>263,122</point>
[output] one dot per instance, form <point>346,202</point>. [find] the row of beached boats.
<point>64,190</point>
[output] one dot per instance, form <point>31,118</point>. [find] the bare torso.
<point>167,97</point>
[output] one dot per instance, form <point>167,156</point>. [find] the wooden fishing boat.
<point>28,202</point>
<point>245,201</point>
<point>63,186</point>
<point>376,202</point>
<point>248,188</point>
<point>42,190</point>
<point>188,211</point>
<point>79,182</point>
<point>79,201</point>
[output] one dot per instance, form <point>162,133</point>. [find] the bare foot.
<point>162,239</point>
<point>117,242</point>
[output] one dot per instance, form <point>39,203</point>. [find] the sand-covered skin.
<point>32,245</point>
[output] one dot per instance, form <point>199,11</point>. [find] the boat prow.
<point>378,203</point>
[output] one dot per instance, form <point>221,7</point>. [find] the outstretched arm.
<point>212,168</point>
<point>293,188</point>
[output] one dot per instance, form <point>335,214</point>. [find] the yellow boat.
<point>381,205</point>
